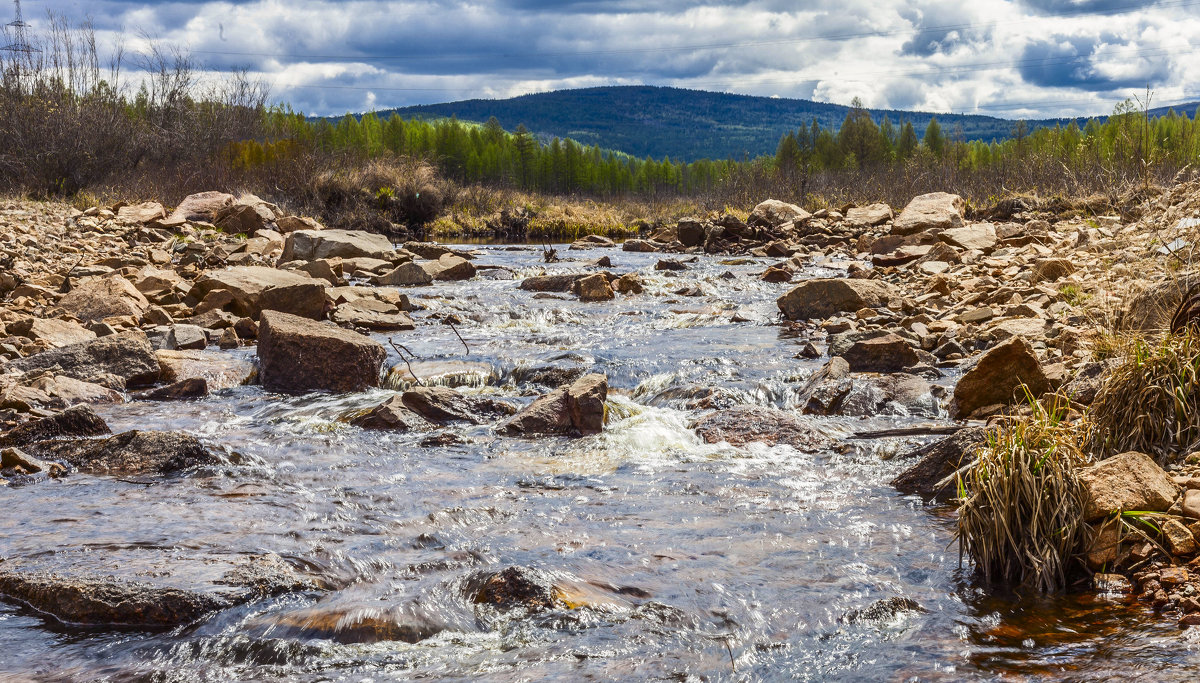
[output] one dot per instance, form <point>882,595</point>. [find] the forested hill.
<point>682,124</point>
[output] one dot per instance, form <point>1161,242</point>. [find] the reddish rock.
<point>297,355</point>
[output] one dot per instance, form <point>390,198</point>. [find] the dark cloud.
<point>1071,7</point>
<point>943,28</point>
<point>1074,62</point>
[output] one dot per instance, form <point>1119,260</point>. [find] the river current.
<point>692,561</point>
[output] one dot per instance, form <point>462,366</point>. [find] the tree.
<point>907,144</point>
<point>933,139</point>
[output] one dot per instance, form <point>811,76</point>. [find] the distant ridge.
<point>687,124</point>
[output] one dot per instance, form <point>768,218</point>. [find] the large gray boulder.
<point>298,355</point>
<point>934,211</point>
<point>257,288</point>
<point>309,245</point>
<point>825,297</point>
<point>128,356</point>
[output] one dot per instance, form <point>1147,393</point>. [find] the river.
<point>701,562</point>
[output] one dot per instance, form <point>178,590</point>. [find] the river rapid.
<point>688,561</point>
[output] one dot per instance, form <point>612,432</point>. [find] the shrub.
<point>1150,402</point>
<point>1021,510</point>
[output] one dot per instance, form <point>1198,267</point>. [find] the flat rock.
<point>405,275</point>
<point>128,356</point>
<point>977,236</point>
<point>297,355</point>
<point>218,370</point>
<point>133,452</point>
<point>55,332</point>
<point>450,267</point>
<point>1126,482</point>
<point>442,405</point>
<point>741,425</point>
<point>141,213</point>
<point>309,245</point>
<point>869,216</point>
<point>257,288</point>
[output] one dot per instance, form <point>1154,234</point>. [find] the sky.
<point>1011,58</point>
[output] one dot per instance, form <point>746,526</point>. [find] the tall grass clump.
<point>1021,511</point>
<point>1151,400</point>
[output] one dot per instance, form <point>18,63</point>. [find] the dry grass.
<point>1020,517</point>
<point>1150,402</point>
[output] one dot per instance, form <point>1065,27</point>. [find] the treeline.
<point>1129,139</point>
<point>472,153</point>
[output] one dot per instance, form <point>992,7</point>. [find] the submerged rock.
<point>391,415</point>
<point>76,421</point>
<point>195,387</point>
<point>577,409</point>
<point>741,425</point>
<point>97,601</point>
<point>883,610</point>
<point>133,452</point>
<point>352,625</point>
<point>442,405</point>
<point>297,355</point>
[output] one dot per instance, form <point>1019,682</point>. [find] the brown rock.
<point>57,333</point>
<point>1125,483</point>
<point>824,297</point>
<point>997,376</point>
<point>128,356</point>
<point>937,461</point>
<point>391,415</point>
<point>252,289</point>
<point>135,452</point>
<point>97,298</point>
<point>195,387</point>
<point>289,224</point>
<point>450,267</point>
<point>889,353</point>
<point>741,425</point>
<point>1051,269</point>
<point>869,216</point>
<point>76,421</point>
<point>202,206</point>
<point>774,213</point>
<point>443,405</point>
<point>595,288</point>
<point>577,409</point>
<point>141,213</point>
<point>297,355</point>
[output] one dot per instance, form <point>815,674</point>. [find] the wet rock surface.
<point>133,452</point>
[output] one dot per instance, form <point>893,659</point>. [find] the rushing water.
<point>701,562</point>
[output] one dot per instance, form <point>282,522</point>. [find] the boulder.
<point>938,460</point>
<point>822,393</point>
<point>869,216</point>
<point>889,353</point>
<point>594,288</point>
<point>977,236</point>
<point>22,462</point>
<point>134,452</point>
<point>309,245</point>
<point>202,206</point>
<point>774,213</point>
<point>57,333</point>
<point>1126,482</point>
<point>442,405</point>
<point>297,355</point>
<point>551,283</point>
<point>690,232</point>
<point>391,415</point>
<point>406,275</point>
<point>76,421</point>
<point>640,246</point>
<point>95,298</point>
<point>628,284</point>
<point>934,211</point>
<point>186,337</point>
<point>450,267</point>
<point>128,356</point>
<point>242,219</point>
<point>824,297</point>
<point>997,376</point>
<point>741,425</point>
<point>257,288</point>
<point>141,213</point>
<point>576,409</point>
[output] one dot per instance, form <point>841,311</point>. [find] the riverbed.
<point>692,561</point>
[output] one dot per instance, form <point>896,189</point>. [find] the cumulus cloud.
<point>986,56</point>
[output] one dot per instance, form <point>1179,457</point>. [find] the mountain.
<point>686,124</point>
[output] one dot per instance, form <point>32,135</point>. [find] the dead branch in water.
<point>455,329</point>
<point>398,348</point>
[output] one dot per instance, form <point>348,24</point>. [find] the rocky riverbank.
<point>930,314</point>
